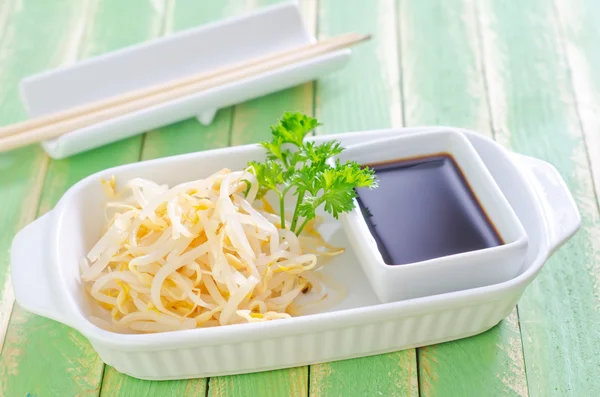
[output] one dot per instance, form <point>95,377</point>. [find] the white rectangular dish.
<point>446,273</point>
<point>47,281</point>
<point>230,41</point>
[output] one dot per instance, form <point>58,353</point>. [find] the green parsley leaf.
<point>293,163</point>
<point>268,175</point>
<point>319,154</point>
<point>293,128</point>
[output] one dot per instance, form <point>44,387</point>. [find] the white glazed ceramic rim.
<point>503,209</point>
<point>297,325</point>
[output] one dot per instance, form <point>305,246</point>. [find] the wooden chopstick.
<point>127,97</point>
<point>54,125</point>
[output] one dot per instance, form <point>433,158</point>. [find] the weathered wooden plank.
<point>364,95</point>
<point>534,111</point>
<point>286,382</point>
<point>444,85</point>
<point>251,120</point>
<point>117,384</point>
<point>489,364</point>
<point>22,171</point>
<point>441,65</point>
<point>188,136</point>
<point>393,374</point>
<point>6,9</point>
<point>42,357</point>
<point>580,27</point>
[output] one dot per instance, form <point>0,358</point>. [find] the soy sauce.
<point>424,209</point>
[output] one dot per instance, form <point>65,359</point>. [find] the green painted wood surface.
<point>393,374</point>
<point>444,85</point>
<point>580,33</point>
<point>442,72</point>
<point>46,358</point>
<point>366,93</point>
<point>523,71</point>
<point>285,382</point>
<point>347,103</point>
<point>533,110</point>
<point>116,384</point>
<point>21,171</point>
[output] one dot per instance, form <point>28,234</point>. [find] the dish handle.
<point>30,270</point>
<point>559,209</point>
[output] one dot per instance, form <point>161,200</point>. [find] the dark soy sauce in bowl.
<point>424,209</point>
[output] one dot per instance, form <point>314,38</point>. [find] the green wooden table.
<point>523,72</point>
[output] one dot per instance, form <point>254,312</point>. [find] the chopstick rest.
<point>275,36</point>
<point>57,124</point>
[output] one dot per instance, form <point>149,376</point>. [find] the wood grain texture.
<point>43,357</point>
<point>444,85</point>
<point>392,375</point>
<point>579,22</point>
<point>22,171</point>
<point>534,111</point>
<point>364,95</point>
<point>488,364</point>
<point>441,66</point>
<point>117,384</point>
<point>286,382</point>
<point>6,9</point>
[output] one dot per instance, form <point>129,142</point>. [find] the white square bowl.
<point>448,273</point>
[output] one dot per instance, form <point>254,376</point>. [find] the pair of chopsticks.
<point>54,125</point>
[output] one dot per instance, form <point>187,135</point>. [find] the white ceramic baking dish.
<point>446,273</point>
<point>208,47</point>
<point>45,274</point>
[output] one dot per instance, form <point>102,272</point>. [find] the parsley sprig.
<point>293,163</point>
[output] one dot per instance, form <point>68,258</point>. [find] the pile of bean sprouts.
<point>199,254</point>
